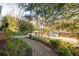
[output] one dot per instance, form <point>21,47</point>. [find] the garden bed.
<point>15,47</point>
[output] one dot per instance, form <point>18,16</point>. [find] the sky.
<point>11,9</point>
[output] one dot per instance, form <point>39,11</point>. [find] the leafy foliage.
<point>14,47</point>
<point>66,14</point>
<point>13,24</point>
<point>26,26</point>
<point>18,47</point>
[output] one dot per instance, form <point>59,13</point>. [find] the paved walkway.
<point>40,49</point>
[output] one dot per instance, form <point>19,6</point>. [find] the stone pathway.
<point>40,49</point>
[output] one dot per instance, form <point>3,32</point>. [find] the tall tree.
<point>47,12</point>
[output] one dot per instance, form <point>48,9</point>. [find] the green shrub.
<point>48,40</point>
<point>13,24</point>
<point>64,51</point>
<point>18,47</point>
<point>67,49</point>
<point>26,26</point>
<point>63,48</point>
<point>55,42</point>
<point>75,51</point>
